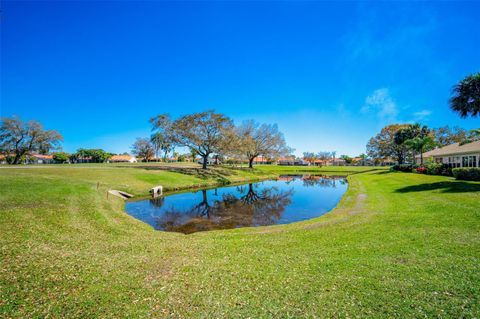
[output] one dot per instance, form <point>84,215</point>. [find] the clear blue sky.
<point>330,74</point>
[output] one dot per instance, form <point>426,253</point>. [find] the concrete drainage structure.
<point>122,195</point>
<point>156,191</point>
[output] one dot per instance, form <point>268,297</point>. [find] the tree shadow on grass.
<point>383,172</point>
<point>445,187</point>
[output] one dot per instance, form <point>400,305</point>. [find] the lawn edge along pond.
<point>397,245</point>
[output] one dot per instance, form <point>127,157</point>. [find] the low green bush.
<point>467,173</point>
<point>438,169</point>
<point>434,168</point>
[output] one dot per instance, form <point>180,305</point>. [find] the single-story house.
<point>359,161</point>
<point>455,155</point>
<point>122,159</point>
<point>261,160</point>
<point>87,159</point>
<point>39,159</point>
<point>3,159</point>
<point>292,161</point>
<point>336,162</point>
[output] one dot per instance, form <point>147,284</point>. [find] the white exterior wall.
<point>451,159</point>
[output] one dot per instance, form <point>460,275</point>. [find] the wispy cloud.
<point>421,115</point>
<point>381,104</point>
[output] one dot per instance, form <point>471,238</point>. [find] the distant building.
<point>39,159</point>
<point>261,160</point>
<point>210,161</point>
<point>292,161</point>
<point>336,162</point>
<point>359,161</point>
<point>455,155</point>
<point>122,159</point>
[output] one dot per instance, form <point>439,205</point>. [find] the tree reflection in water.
<point>251,208</point>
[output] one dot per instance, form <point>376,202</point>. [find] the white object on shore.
<point>157,191</point>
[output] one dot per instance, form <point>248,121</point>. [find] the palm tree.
<point>421,144</point>
<point>466,96</point>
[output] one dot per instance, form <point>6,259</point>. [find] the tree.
<point>203,132</point>
<point>161,142</point>
<point>193,154</point>
<point>96,155</point>
<point>383,144</point>
<point>143,148</point>
<point>309,157</point>
<point>175,155</point>
<point>324,155</point>
<point>421,144</point>
<point>411,131</point>
<point>364,158</point>
<point>347,159</point>
<point>473,135</point>
<point>20,138</point>
<point>182,157</point>
<point>61,157</point>
<point>466,96</point>
<point>445,135</point>
<point>259,139</point>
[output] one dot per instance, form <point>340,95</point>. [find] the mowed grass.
<point>397,245</point>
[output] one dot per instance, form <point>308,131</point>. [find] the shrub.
<point>434,168</point>
<point>438,169</point>
<point>467,173</point>
<point>407,168</point>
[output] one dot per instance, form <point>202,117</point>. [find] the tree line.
<point>208,134</point>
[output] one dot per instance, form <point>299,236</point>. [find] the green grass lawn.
<point>397,245</point>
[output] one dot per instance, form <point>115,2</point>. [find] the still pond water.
<point>289,199</point>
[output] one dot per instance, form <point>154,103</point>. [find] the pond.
<point>288,199</point>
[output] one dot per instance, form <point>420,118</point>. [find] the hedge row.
<point>463,173</point>
<point>467,173</point>
<point>430,169</point>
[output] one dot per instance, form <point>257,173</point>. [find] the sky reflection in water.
<point>289,199</point>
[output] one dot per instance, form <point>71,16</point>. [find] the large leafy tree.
<point>445,135</point>
<point>61,157</point>
<point>21,138</point>
<point>96,155</point>
<point>143,148</point>
<point>205,132</point>
<point>259,140</point>
<point>383,144</point>
<point>466,96</point>
<point>405,135</point>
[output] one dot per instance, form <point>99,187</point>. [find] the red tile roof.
<point>40,156</point>
<point>120,158</point>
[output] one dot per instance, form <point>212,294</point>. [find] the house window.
<point>469,161</point>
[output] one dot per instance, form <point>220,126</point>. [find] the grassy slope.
<point>401,245</point>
